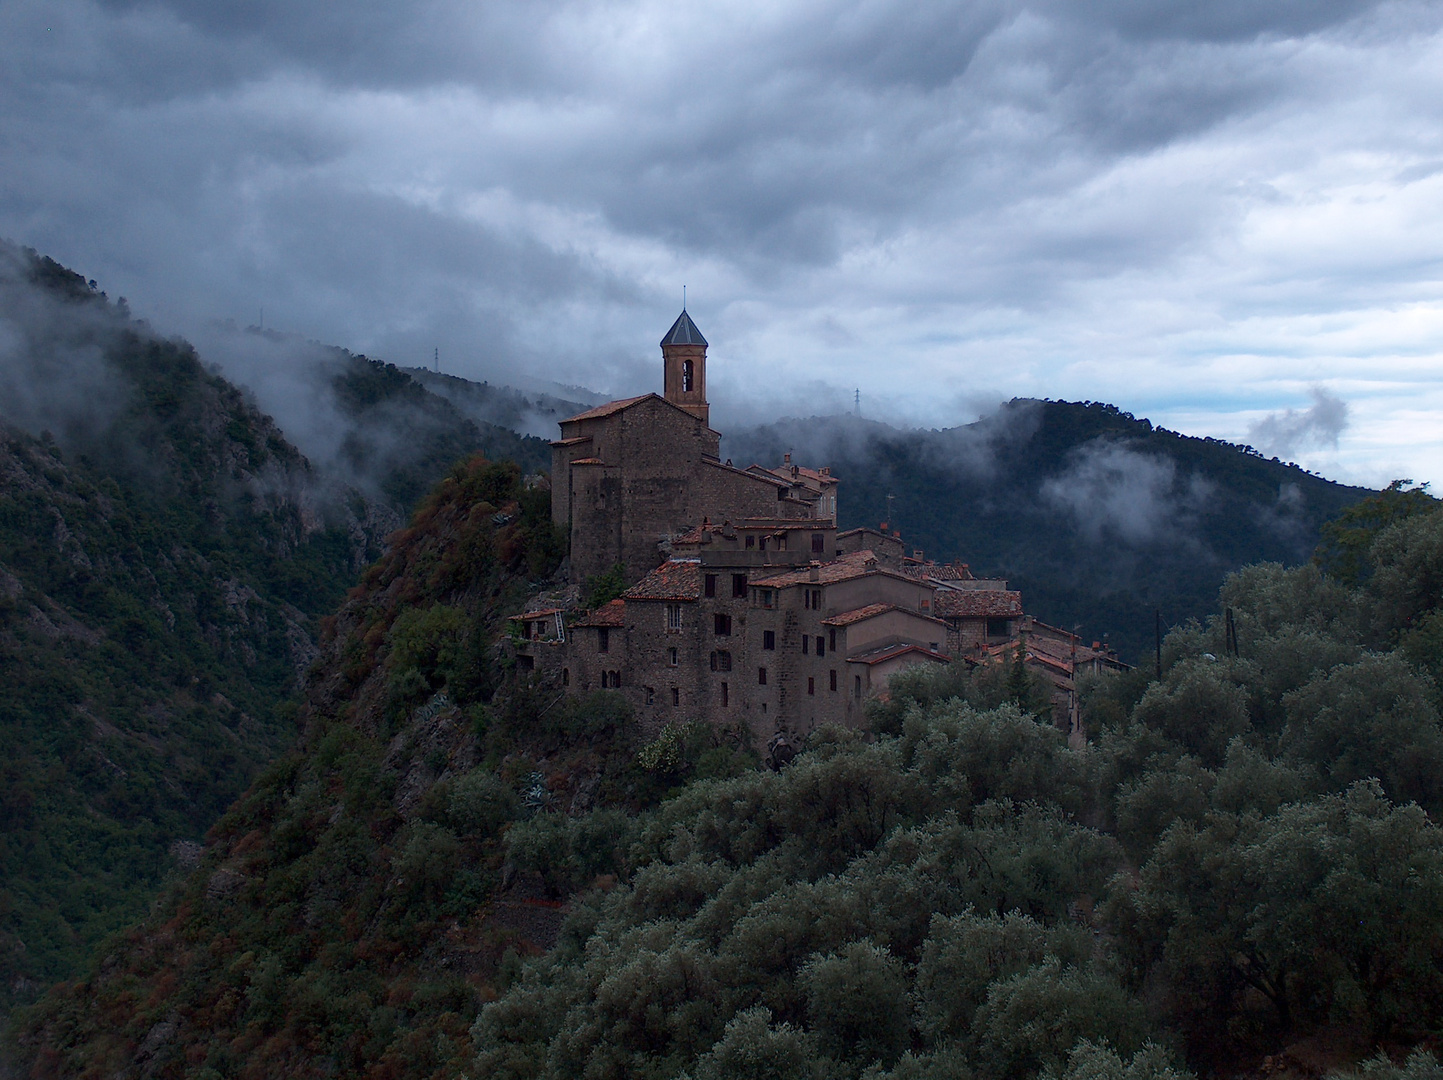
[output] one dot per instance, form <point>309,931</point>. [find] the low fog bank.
<point>1098,516</point>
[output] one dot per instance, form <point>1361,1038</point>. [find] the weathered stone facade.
<point>747,609</point>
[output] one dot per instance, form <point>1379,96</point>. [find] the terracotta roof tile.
<point>588,461</point>
<point>608,409</point>
<point>888,652</point>
<point>675,579</point>
<point>977,604</point>
<point>608,615</point>
<point>938,571</point>
<point>854,564</point>
<point>575,441</point>
<point>527,616</point>
<point>856,615</point>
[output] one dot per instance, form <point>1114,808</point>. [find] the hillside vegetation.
<point>1242,862</point>
<point>1098,517</point>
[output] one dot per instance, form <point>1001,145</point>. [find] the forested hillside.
<point>462,874</point>
<point>165,556</point>
<point>1098,517</point>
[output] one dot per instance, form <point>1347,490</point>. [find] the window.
<point>832,639</point>
<point>721,660</point>
<point>997,627</point>
<point>688,376</point>
<point>709,585</point>
<point>811,685</point>
<point>766,597</point>
<point>751,541</point>
<point>933,646</point>
<point>769,639</point>
<point>603,640</point>
<point>673,616</point>
<point>739,586</point>
<point>722,624</point>
<point>611,680</point>
<point>676,695</point>
<point>761,543</point>
<point>671,656</point>
<point>812,599</point>
<point>819,543</point>
<point>821,645</point>
<point>806,643</point>
<point>857,687</point>
<point>650,695</point>
<point>833,674</point>
<point>761,676</point>
<point>781,541</point>
<point>725,696</point>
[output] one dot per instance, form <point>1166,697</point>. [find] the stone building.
<point>746,608</point>
<point>629,475</point>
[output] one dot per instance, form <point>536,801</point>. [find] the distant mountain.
<point>1099,518</point>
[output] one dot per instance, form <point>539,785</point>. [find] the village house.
<point>746,608</point>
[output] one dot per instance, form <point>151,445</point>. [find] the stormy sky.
<point>1224,215</point>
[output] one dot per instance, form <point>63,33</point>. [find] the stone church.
<point>746,608</point>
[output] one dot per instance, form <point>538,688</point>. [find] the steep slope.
<point>1097,516</point>
<point>458,875</point>
<point>340,919</point>
<point>164,556</point>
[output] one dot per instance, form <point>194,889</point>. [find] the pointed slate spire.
<point>683,332</point>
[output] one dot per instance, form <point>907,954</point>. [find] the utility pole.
<point>1157,616</point>
<point>857,402</point>
<point>436,360</point>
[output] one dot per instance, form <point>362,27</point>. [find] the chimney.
<point>816,574</point>
<point>787,458</point>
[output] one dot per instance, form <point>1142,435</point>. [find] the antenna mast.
<point>436,359</point>
<point>857,402</point>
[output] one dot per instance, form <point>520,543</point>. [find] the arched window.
<point>687,377</point>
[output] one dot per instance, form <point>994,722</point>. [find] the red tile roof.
<point>675,579</point>
<point>977,604</point>
<point>576,440</point>
<point>527,616</point>
<point>608,615</point>
<point>785,472</point>
<point>861,614</point>
<point>888,652</point>
<point>938,572</point>
<point>588,461</point>
<point>608,409</point>
<point>856,615</point>
<point>854,564</point>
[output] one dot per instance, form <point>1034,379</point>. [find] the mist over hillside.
<point>1099,518</point>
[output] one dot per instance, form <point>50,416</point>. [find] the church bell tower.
<point>683,356</point>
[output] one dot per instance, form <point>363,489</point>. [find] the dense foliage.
<point>1243,857</point>
<point>1100,518</point>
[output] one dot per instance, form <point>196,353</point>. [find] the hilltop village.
<point>746,606</point>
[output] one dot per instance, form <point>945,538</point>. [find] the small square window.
<point>811,685</point>
<point>819,543</point>
<point>769,639</point>
<point>833,674</point>
<point>709,585</point>
<point>671,656</point>
<point>761,676</point>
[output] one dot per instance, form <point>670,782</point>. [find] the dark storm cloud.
<point>949,187</point>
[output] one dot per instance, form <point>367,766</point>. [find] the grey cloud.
<point>1114,492</point>
<point>1285,433</point>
